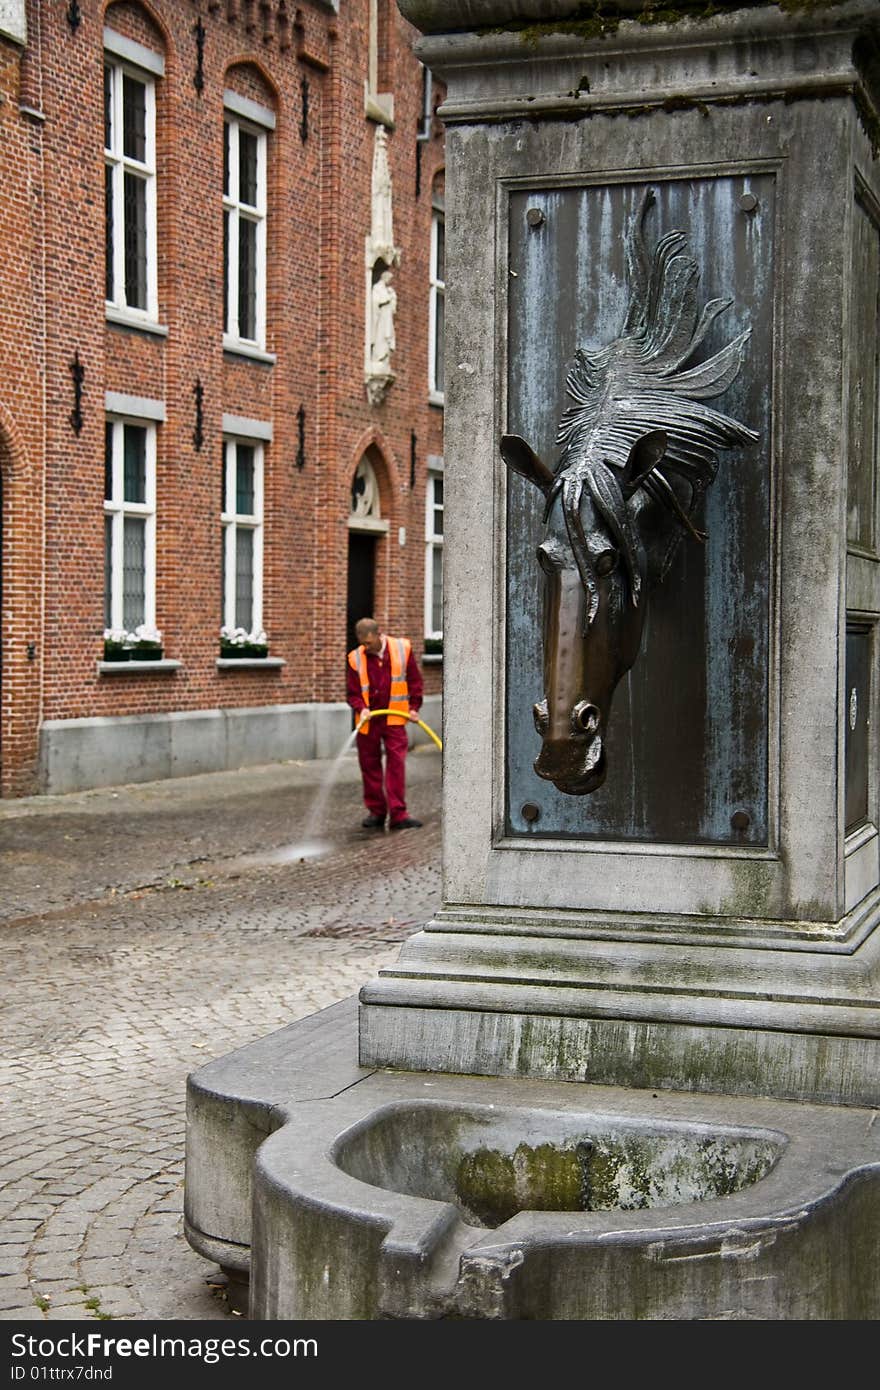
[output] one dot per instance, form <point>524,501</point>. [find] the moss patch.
<point>597,19</point>
<point>495,1186</point>
<point>614,1173</point>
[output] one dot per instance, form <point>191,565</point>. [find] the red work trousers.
<point>388,797</point>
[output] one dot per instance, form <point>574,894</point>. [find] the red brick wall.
<point>52,305</point>
<point>22,332</point>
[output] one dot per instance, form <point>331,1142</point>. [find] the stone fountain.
<point>632,1069</point>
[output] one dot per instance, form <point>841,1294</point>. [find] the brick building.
<point>220,380</point>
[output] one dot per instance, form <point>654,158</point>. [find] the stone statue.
<point>383,306</point>
<point>381,256</point>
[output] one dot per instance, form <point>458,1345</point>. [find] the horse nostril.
<point>585,717</point>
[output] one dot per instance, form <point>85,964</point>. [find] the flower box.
<point>237,653</point>
<point>236,644</point>
<point>146,651</point>
<point>117,644</point>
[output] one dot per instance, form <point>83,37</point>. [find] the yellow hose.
<point>374,713</point>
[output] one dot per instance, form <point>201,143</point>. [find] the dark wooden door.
<point>361,581</point>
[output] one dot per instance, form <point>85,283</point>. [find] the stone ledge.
<point>118,318</point>
<point>233,663</point>
<point>123,668</point>
<point>236,348</point>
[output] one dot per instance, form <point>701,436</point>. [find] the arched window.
<point>131,72</point>
<point>247,126</point>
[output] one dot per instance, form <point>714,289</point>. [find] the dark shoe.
<point>373,823</point>
<point>408,823</point>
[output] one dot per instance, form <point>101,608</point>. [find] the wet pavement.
<point>144,930</point>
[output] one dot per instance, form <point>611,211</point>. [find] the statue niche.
<point>382,256</point>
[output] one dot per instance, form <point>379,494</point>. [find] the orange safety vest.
<point>399,649</point>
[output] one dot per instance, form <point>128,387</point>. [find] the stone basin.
<point>492,1162</point>
<point>344,1193</point>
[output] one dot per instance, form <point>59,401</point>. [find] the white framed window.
<point>437,306</point>
<point>241,521</point>
<point>427,117</point>
<point>434,552</point>
<point>129,524</point>
<point>245,148</point>
<point>131,282</point>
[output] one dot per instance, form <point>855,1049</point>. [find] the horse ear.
<point>644,455</point>
<point>521,457</point>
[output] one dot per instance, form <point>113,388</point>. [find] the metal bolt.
<point>530,811</point>
<point>740,820</point>
<point>748,202</point>
<point>535,217</point>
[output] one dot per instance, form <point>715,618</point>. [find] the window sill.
<point>236,348</point>
<point>437,398</point>
<point>250,663</point>
<point>120,319</point>
<point>137,668</point>
<point>379,107</point>
<point>432,659</point>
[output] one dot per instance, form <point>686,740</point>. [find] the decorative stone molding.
<point>366,511</point>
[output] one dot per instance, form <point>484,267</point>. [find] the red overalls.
<point>384,684</point>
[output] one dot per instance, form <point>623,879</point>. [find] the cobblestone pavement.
<point>143,931</point>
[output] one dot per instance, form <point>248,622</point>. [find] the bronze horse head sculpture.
<point>638,449</point>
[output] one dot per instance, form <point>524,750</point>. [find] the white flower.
<point>235,636</point>
<point>258,639</point>
<point>146,633</point>
<point>117,635</point>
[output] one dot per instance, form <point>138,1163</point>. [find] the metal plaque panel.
<point>864,382</point>
<point>856,712</point>
<point>687,741</point>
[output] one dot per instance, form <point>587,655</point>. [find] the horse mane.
<point>608,497</point>
<point>639,383</point>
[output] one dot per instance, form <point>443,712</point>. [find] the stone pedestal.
<point>708,920</point>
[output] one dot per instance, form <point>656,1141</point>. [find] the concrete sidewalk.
<point>144,930</point>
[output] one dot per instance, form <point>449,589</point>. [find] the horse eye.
<point>545,561</point>
<point>606,562</point>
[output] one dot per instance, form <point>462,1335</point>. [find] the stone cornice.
<point>722,60</point>
<point>534,19</point>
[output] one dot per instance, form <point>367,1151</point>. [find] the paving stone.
<point>109,1000</point>
<point>14,1298</point>
<point>58,1266</point>
<point>104,1246</point>
<point>117,1300</point>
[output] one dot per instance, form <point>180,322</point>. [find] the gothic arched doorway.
<point>366,529</point>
